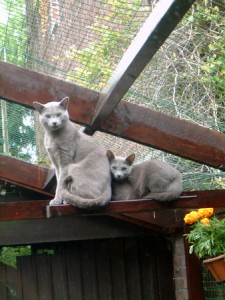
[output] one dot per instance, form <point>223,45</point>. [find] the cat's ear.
<point>64,102</point>
<point>110,155</point>
<point>38,106</point>
<point>130,159</point>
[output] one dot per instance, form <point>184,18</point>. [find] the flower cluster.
<point>207,233</point>
<point>202,214</point>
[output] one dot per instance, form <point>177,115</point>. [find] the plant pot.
<point>216,266</point>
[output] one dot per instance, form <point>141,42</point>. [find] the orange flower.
<point>205,221</point>
<point>191,217</point>
<point>205,212</point>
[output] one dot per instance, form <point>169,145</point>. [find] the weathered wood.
<point>37,231</point>
<point>24,86</point>
<point>106,269</point>
<point>151,36</point>
<point>119,207</point>
<point>160,131</point>
<point>194,273</point>
<point>24,174</point>
<point>23,210</point>
<point>128,120</point>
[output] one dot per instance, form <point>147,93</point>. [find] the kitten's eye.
<point>124,169</point>
<point>58,114</point>
<point>48,116</point>
<point>114,168</point>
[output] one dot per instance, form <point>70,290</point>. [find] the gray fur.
<point>153,179</point>
<point>80,161</point>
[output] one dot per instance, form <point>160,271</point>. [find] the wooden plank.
<point>167,133</point>
<point>44,277</point>
<point>148,268</point>
<point>89,275</point>
<point>27,268</point>
<point>23,210</point>
<point>3,283</point>
<point>74,275</point>
<point>37,231</point>
<point>24,86</point>
<point>153,33</point>
<point>134,281</point>
<point>119,276</point>
<point>125,207</point>
<point>59,279</point>
<point>194,272</point>
<point>103,268</point>
<point>13,280</point>
<point>24,174</point>
<point>165,272</point>
<point>128,120</point>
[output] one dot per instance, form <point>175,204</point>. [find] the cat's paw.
<point>55,202</point>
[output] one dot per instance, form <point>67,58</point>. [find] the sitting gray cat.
<point>153,179</point>
<point>76,156</point>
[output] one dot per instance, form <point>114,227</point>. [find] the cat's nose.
<point>54,123</point>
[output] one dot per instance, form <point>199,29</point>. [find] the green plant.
<point>207,235</point>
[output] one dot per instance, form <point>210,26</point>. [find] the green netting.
<point>83,41</point>
<point>212,289</point>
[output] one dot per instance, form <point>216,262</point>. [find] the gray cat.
<point>152,179</point>
<point>80,162</point>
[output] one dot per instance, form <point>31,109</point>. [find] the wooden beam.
<point>24,86</point>
<point>65,229</point>
<point>125,207</point>
<point>41,209</point>
<point>24,174</point>
<point>160,131</point>
<point>128,120</point>
<point>158,26</point>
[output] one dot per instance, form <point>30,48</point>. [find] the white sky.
<point>3,14</point>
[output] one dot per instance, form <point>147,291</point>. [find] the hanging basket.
<point>216,266</point>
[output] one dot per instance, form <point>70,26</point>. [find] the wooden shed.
<point>129,249</point>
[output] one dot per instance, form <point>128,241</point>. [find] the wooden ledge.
<point>41,209</point>
<point>122,207</point>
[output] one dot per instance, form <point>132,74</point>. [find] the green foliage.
<point>115,31</point>
<point>8,254</point>
<point>211,17</point>
<point>207,240</point>
<point>17,122</point>
<point>13,35</point>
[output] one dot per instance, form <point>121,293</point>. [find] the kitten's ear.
<point>110,155</point>
<point>130,159</point>
<point>64,102</point>
<point>38,106</point>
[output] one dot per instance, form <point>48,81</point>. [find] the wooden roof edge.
<point>25,174</point>
<point>42,209</point>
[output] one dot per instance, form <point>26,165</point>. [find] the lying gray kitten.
<point>152,179</point>
<point>80,161</point>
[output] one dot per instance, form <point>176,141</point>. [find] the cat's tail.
<point>173,192</point>
<point>91,203</point>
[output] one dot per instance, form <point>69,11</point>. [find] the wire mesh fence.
<point>83,41</point>
<point>212,289</point>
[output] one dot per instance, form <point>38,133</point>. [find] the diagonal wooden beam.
<point>158,26</point>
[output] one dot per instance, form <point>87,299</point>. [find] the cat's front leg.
<point>58,197</point>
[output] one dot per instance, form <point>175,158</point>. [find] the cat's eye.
<point>124,169</point>
<point>58,115</point>
<point>114,168</point>
<point>48,116</point>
